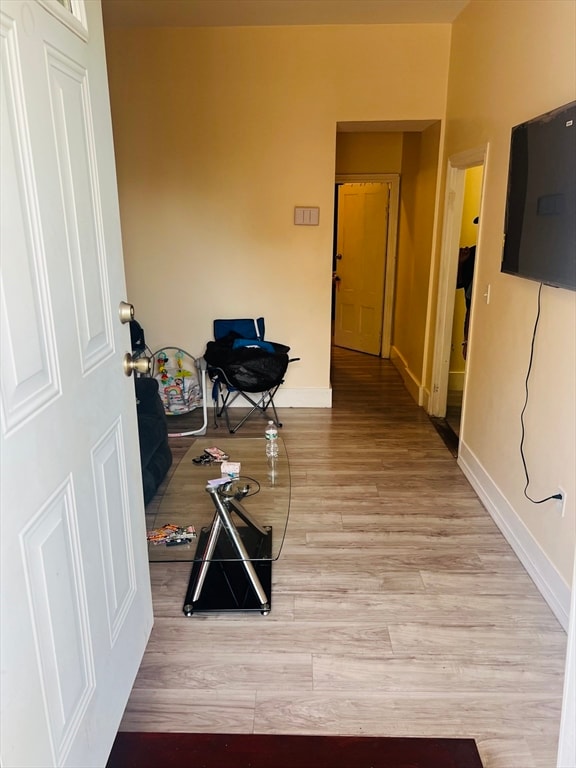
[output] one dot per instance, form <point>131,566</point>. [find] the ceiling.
<point>242,13</point>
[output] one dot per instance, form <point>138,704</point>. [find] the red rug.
<point>205,750</point>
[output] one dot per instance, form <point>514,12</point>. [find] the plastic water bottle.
<point>271,435</point>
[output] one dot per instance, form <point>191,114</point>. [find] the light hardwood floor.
<point>398,608</point>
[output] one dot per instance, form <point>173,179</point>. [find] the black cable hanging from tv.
<point>556,495</point>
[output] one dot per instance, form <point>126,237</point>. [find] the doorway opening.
<point>365,235</point>
<point>463,299</point>
<point>453,344</point>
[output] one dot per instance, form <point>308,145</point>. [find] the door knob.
<point>126,312</point>
<point>138,364</point>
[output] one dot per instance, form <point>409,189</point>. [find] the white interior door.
<point>361,264</point>
<point>75,602</point>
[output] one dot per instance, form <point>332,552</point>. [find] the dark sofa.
<point>155,453</point>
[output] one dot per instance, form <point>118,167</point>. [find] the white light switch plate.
<point>308,217</point>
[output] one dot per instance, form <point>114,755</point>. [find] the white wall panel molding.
<point>29,371</point>
<point>74,137</point>
<point>71,13</point>
<point>52,561</point>
<point>114,523</point>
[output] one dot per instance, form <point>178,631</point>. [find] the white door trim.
<point>453,206</point>
<point>393,179</point>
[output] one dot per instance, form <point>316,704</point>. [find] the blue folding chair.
<point>241,363</point>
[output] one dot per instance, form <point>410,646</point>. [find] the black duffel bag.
<point>249,365</point>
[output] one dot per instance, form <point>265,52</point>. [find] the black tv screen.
<point>540,224</point>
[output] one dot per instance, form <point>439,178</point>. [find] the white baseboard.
<point>540,569</point>
<point>287,397</point>
<point>425,395</point>
<point>456,380</point>
<point>413,385</point>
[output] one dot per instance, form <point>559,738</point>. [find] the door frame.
<point>445,298</point>
<point>390,256</point>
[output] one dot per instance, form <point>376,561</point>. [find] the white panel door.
<point>75,601</point>
<point>361,244</point>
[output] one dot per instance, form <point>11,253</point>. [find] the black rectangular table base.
<point>227,587</point>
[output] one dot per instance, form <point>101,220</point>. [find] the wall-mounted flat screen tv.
<point>540,225</point>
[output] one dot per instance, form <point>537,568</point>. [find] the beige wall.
<point>375,152</point>
<point>219,133</point>
<point>417,207</point>
<point>510,61</point>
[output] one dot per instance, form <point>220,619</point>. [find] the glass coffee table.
<point>240,524</point>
